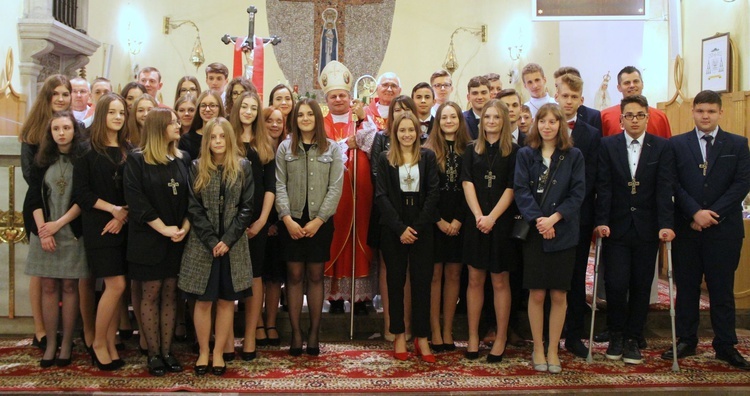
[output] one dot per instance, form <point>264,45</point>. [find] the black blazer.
<point>521,139</point>
<point>650,208</point>
<point>388,193</point>
<point>591,116</point>
<point>587,139</point>
<point>722,190</point>
<point>566,193</point>
<point>472,124</point>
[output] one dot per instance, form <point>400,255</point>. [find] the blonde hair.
<point>395,157</point>
<point>231,172</point>
<point>259,140</point>
<point>506,140</point>
<point>436,141</point>
<point>155,146</point>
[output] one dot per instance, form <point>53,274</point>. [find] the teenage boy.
<point>442,84</point>
<point>713,177</point>
<point>217,75</point>
<point>587,139</point>
<point>524,120</point>
<point>496,85</point>
<point>424,98</point>
<point>592,116</point>
<point>535,82</point>
<point>479,94</point>
<point>512,100</point>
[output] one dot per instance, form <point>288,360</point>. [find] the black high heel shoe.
<point>495,358</point>
<point>313,351</point>
<point>219,370</point>
<point>273,341</point>
<point>201,370</point>
<point>40,343</point>
<point>111,366</point>
<point>45,363</point>
<point>156,366</point>
<point>261,341</point>
<point>62,362</point>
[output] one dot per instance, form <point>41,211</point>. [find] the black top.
<point>191,142</point>
<point>99,176</point>
<point>452,203</point>
<point>491,173</point>
<point>154,191</point>
<point>380,143</point>
<point>264,177</point>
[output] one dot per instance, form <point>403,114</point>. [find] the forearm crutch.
<point>675,366</point>
<point>597,253</point>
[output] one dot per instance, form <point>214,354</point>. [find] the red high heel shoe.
<point>426,358</point>
<point>399,355</point>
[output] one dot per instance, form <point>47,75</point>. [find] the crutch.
<point>597,253</point>
<point>675,366</point>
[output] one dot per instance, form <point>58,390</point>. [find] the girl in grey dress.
<point>55,245</point>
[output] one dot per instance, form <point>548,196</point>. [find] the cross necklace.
<point>490,176</point>
<point>408,179</point>
<point>62,182</point>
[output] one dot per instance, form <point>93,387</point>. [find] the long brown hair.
<point>98,136</point>
<point>258,135</point>
<point>436,141</point>
<point>48,151</point>
<point>134,130</point>
<point>36,123</point>
<point>192,79</point>
<point>197,120</point>
<point>506,139</point>
<point>246,84</point>
<point>320,132</point>
<point>231,171</point>
<point>534,139</point>
<point>404,102</point>
<point>395,157</point>
<point>154,144</point>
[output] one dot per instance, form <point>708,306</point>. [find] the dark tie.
<point>709,139</point>
<point>571,124</point>
<point>425,123</point>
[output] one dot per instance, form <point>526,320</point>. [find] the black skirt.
<point>546,270</point>
<point>274,268</point>
<point>448,249</point>
<point>257,246</point>
<point>108,261</point>
<point>169,267</point>
<point>307,250</point>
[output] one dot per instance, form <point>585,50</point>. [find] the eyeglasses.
<point>390,86</point>
<point>183,90</point>
<point>442,86</point>
<point>630,116</point>
<point>211,106</point>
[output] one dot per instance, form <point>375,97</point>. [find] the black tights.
<point>158,312</point>
<point>296,274</point>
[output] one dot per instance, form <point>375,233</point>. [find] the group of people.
<point>203,210</point>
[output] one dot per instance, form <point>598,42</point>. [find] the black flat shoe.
<point>40,343</point>
<point>495,358</point>
<point>62,362</point>
<point>156,366</point>
<point>295,351</point>
<point>219,370</point>
<point>437,347</point>
<point>44,363</point>
<point>472,355</point>
<point>125,334</point>
<point>576,347</point>
<point>313,351</point>
<point>272,341</point>
<point>228,356</point>
<point>173,365</point>
<point>248,356</point>
<point>201,370</point>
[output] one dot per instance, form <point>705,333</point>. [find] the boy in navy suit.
<point>512,99</point>
<point>634,210</point>
<point>479,94</point>
<point>592,116</point>
<point>713,177</point>
<point>586,139</point>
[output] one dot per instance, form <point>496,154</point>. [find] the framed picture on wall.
<point>716,63</point>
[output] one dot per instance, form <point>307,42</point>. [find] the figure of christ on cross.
<point>340,27</point>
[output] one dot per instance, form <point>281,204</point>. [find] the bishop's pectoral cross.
<point>489,177</point>
<point>173,184</point>
<point>451,172</point>
<point>704,166</point>
<point>633,184</point>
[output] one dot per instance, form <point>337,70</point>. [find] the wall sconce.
<point>196,55</point>
<point>451,63</point>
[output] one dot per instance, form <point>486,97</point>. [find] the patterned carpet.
<point>362,366</point>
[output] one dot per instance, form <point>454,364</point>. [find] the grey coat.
<point>203,212</point>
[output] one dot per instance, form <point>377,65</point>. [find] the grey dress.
<point>68,261</point>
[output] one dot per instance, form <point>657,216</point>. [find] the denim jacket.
<point>308,177</point>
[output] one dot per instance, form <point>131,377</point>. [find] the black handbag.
<point>521,227</point>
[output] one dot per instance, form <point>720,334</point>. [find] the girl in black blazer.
<point>156,190</point>
<point>549,162</point>
<point>407,195</point>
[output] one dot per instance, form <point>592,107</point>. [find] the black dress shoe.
<point>173,365</point>
<point>337,307</point>
<point>228,356</point>
<point>576,347</point>
<point>295,351</point>
<point>201,370</point>
<point>733,357</point>
<point>219,370</point>
<point>602,337</point>
<point>437,347</point>
<point>313,351</point>
<point>249,356</point>
<point>156,366</point>
<point>46,363</point>
<point>683,350</point>
<point>495,358</point>
<point>40,343</point>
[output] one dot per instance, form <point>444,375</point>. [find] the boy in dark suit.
<point>587,139</point>
<point>479,94</point>
<point>592,116</point>
<point>634,209</point>
<point>512,99</point>
<point>713,177</point>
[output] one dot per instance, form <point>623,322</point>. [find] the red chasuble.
<point>340,265</point>
<point>372,111</point>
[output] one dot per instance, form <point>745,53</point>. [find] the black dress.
<point>100,176</point>
<point>191,142</point>
<point>491,174</point>
<point>264,177</point>
<point>452,205</point>
<point>155,191</point>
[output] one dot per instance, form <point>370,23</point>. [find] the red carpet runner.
<point>368,367</point>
